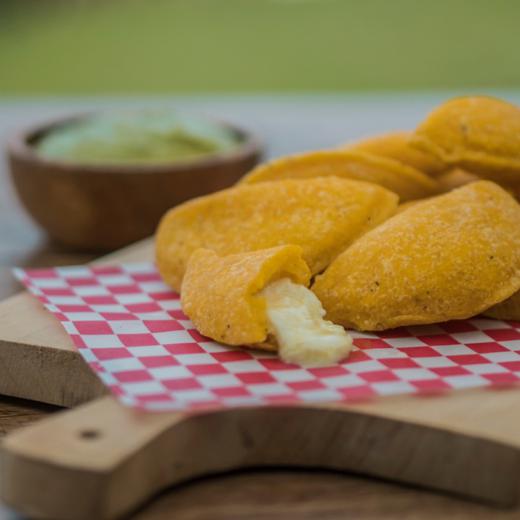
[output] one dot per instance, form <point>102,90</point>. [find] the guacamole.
<point>146,137</point>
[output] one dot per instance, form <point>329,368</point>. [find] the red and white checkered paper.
<point>129,327</point>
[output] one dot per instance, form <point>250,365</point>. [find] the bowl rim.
<point>20,145</point>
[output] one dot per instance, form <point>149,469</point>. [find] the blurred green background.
<point>184,46</point>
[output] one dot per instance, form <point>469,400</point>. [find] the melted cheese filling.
<point>295,318</point>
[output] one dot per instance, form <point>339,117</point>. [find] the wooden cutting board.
<point>101,460</point>
<point>37,358</point>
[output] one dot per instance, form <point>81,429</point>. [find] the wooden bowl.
<point>97,207</point>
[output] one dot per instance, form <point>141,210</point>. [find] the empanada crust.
<point>322,215</point>
<point>220,293</point>
<point>480,134</point>
<point>408,182</point>
<point>396,145</point>
<point>450,257</point>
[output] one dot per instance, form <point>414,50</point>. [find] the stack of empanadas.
<point>244,258</point>
<point>321,215</point>
<point>404,180</point>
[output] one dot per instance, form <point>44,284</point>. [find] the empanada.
<point>404,180</point>
<point>396,145</point>
<point>480,134</point>
<point>322,215</point>
<point>259,299</point>
<point>455,178</point>
<point>409,204</point>
<point>447,258</point>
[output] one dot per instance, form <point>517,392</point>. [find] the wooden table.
<point>277,493</point>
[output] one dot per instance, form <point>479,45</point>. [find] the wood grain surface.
<point>102,460</point>
<point>24,351</point>
<point>273,494</point>
<point>279,494</point>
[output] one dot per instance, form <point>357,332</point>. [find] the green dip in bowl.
<point>143,137</point>
<point>103,180</point>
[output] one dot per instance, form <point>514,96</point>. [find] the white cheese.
<point>295,318</point>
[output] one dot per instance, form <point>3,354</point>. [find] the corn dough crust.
<point>322,215</point>
<point>450,257</point>
<point>456,178</point>
<point>396,145</point>
<point>220,293</point>
<point>480,134</point>
<point>409,204</point>
<point>404,180</point>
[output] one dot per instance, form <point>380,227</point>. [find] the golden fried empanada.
<point>259,299</point>
<point>480,134</point>
<point>322,215</point>
<point>405,205</point>
<point>396,145</point>
<point>404,180</point>
<point>220,293</point>
<point>450,257</point>
<point>455,178</point>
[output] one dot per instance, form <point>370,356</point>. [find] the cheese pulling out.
<point>295,320</point>
<point>259,299</point>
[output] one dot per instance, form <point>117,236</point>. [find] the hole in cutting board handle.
<point>90,435</point>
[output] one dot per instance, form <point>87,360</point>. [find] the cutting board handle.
<point>102,460</point>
